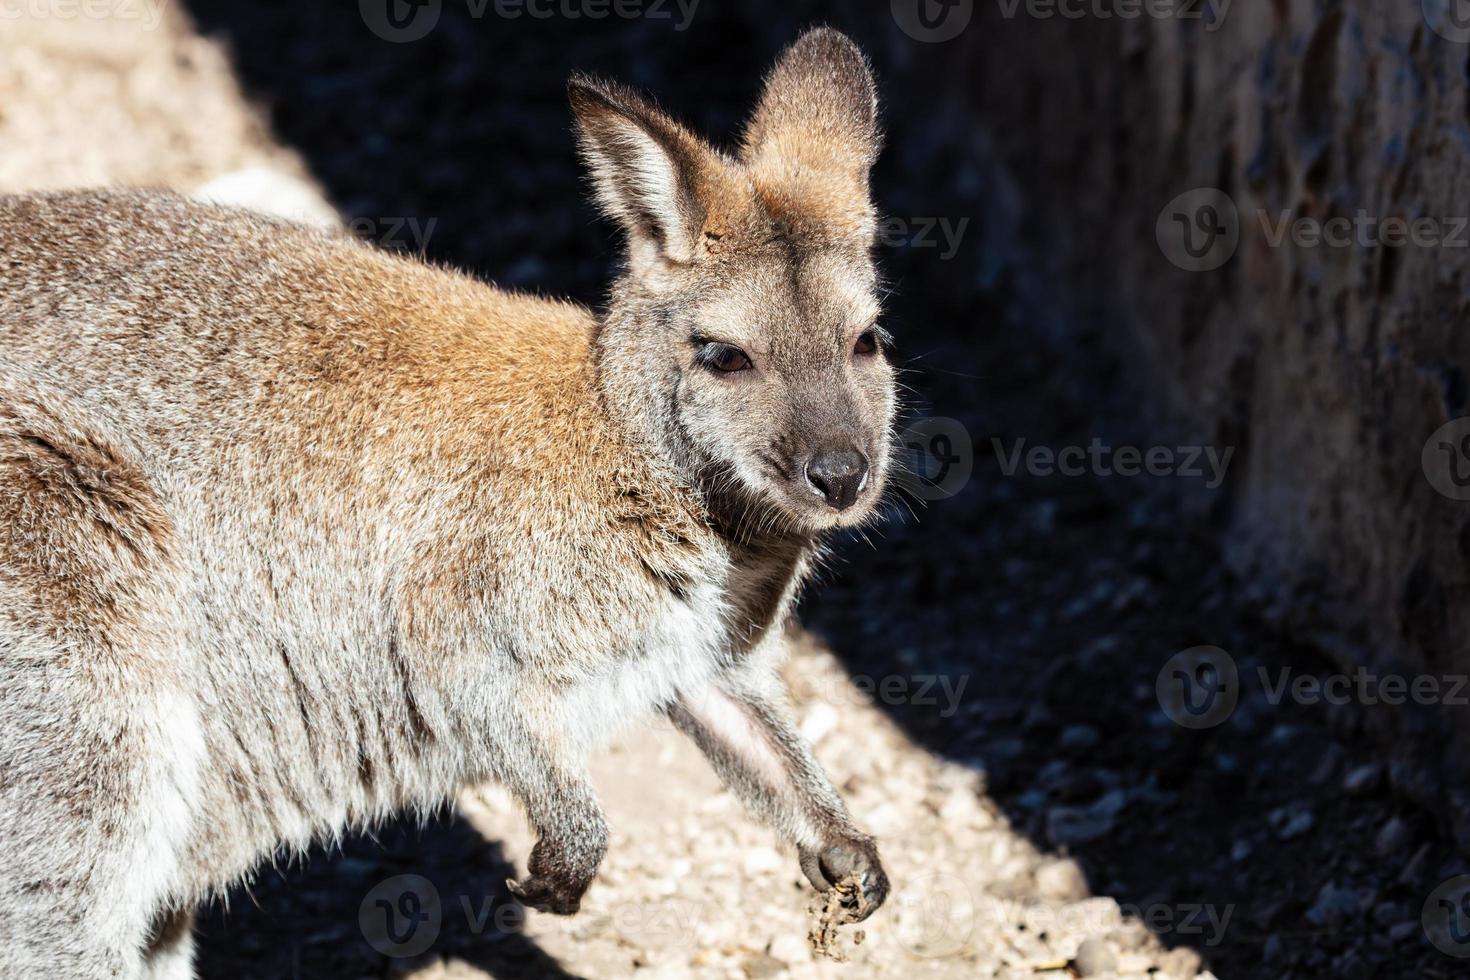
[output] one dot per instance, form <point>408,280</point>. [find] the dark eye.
<point>725,359</point>
<point>867,343</point>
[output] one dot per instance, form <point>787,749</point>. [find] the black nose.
<point>838,475</point>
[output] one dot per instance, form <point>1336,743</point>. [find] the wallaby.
<point>296,533</point>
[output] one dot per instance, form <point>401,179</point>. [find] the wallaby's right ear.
<point>819,113</point>
<point>651,174</point>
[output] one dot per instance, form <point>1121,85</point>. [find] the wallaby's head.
<point>742,337</point>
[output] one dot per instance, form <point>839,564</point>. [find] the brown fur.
<point>295,533</point>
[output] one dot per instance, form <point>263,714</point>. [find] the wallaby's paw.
<point>832,862</point>
<point>547,895</point>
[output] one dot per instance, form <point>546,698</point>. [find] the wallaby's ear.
<point>651,174</point>
<point>819,112</point>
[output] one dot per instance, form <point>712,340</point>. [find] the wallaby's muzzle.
<point>838,476</point>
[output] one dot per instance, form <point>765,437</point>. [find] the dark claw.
<point>545,895</point>
<point>829,865</point>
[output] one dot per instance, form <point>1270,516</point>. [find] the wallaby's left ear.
<point>652,176</point>
<point>819,112</point>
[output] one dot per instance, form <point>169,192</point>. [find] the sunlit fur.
<point>296,534</point>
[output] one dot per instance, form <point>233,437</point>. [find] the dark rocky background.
<point>1055,320</point>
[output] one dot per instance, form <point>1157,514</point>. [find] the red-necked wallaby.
<point>295,533</point>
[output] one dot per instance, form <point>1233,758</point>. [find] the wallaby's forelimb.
<point>743,725</point>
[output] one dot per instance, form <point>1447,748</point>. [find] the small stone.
<point>1414,869</point>
<point>1290,822</point>
<point>1053,772</point>
<point>1061,880</point>
<point>1131,935</point>
<point>763,966</point>
<point>1134,964</point>
<point>790,947</point>
<point>1077,824</point>
<point>1037,719</point>
<point>1404,930</point>
<point>1334,905</point>
<point>1389,914</point>
<point>1240,850</point>
<point>1183,963</point>
<point>1393,838</point>
<point>1362,780</point>
<point>1094,958</point>
<point>1079,738</point>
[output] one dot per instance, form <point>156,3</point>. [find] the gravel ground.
<point>1283,841</point>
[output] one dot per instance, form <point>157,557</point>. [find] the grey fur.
<point>295,535</point>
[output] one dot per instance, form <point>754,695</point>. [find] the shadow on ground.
<point>1056,600</point>
<point>369,909</point>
